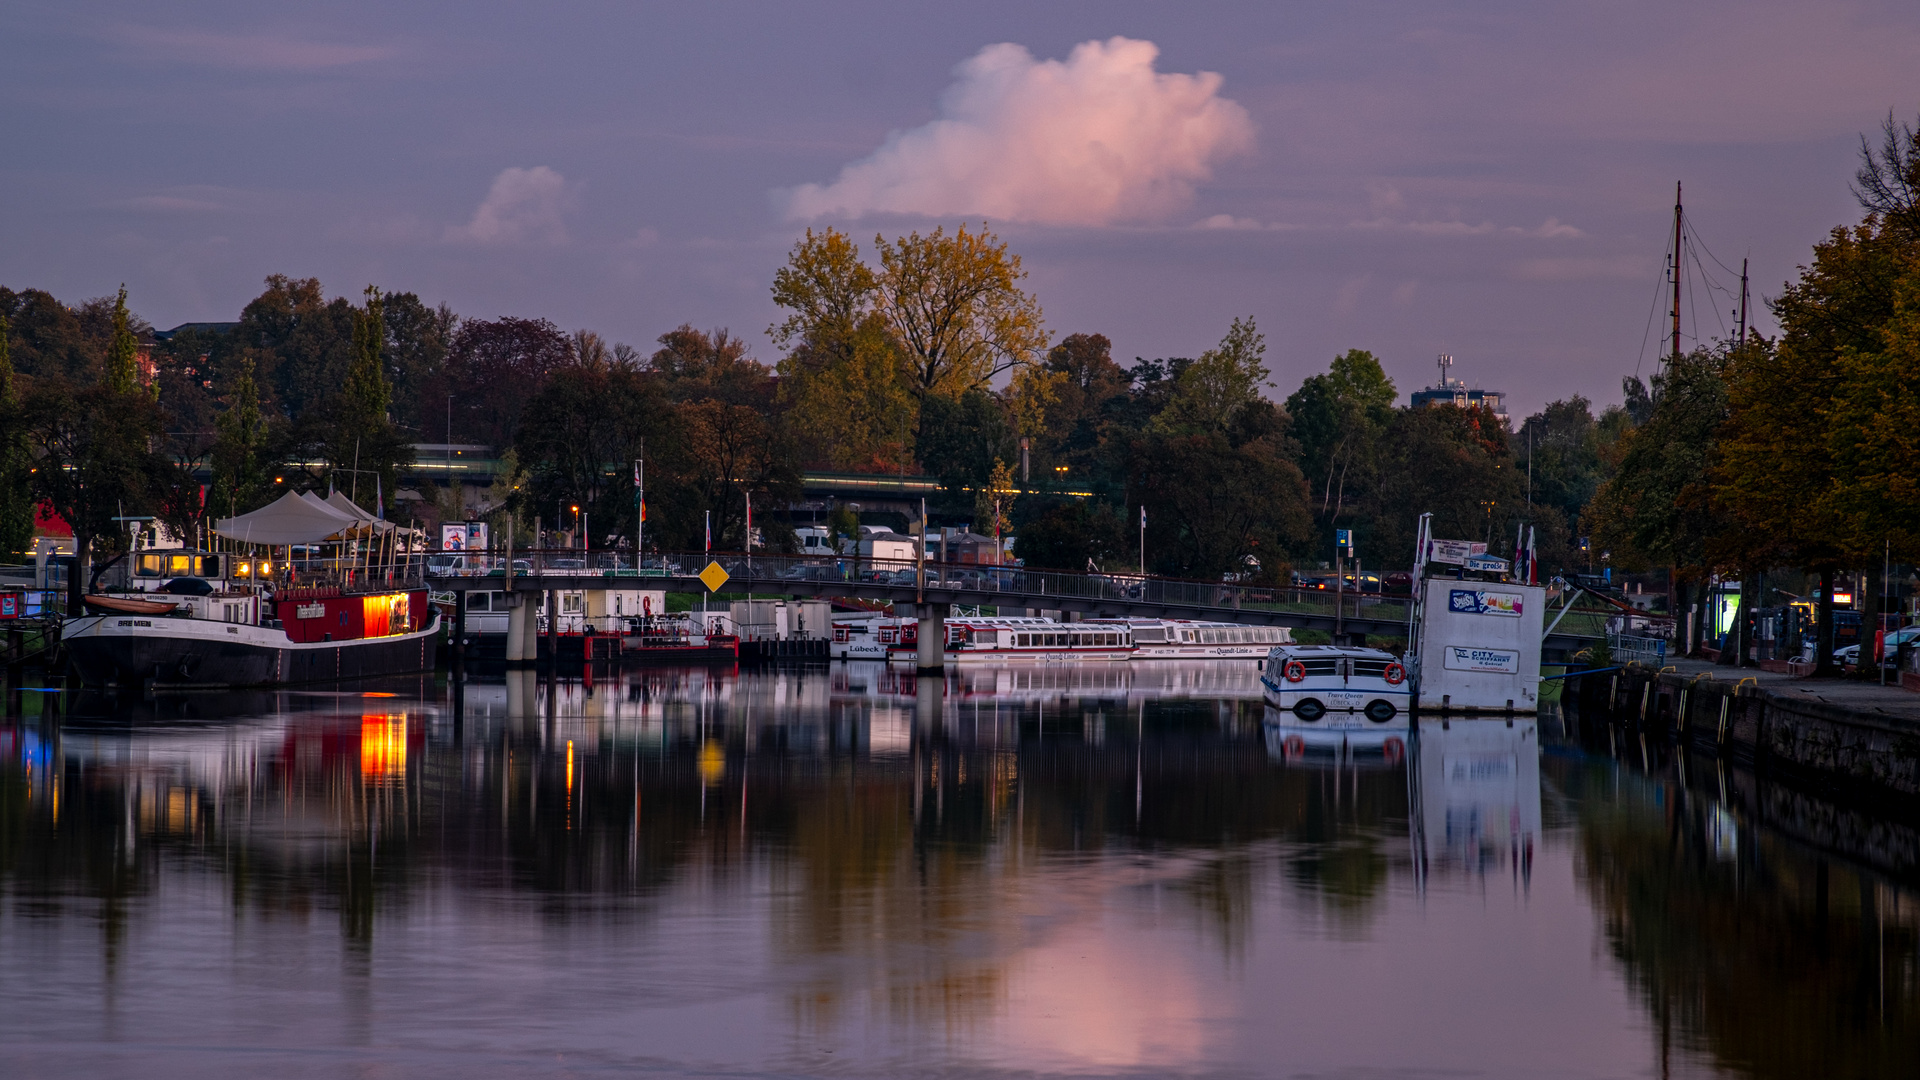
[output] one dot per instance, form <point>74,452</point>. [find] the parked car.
<point>1849,655</point>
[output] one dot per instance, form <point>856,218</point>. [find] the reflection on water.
<point>1113,868</point>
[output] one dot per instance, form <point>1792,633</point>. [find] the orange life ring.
<point>1393,750</point>
<point>1295,671</point>
<point>1295,746</point>
<point>1395,674</point>
<point>646,605</point>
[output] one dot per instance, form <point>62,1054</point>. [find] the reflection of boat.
<point>1293,740</point>
<point>1046,682</point>
<point>1336,686</point>
<point>1477,794</point>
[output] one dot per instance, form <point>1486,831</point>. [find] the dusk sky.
<point>1493,180</point>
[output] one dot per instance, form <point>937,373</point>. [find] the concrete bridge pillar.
<point>932,643</point>
<point>516,627</point>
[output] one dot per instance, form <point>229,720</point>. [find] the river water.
<point>1106,870</point>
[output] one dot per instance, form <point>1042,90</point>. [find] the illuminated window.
<point>386,614</point>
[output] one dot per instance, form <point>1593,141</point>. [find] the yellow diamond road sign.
<point>713,577</point>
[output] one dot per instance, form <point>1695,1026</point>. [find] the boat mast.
<point>1741,341</point>
<point>1679,238</point>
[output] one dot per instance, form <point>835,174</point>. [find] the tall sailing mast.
<point>1677,268</point>
<point>1741,341</point>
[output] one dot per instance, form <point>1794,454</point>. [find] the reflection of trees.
<point>902,880</point>
<point>1771,960</point>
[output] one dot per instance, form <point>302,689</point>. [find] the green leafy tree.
<point>1209,393</point>
<point>1453,462</point>
<point>123,367</point>
<point>1563,454</point>
<point>95,462</point>
<point>1216,497</point>
<point>16,502</point>
<point>368,391</point>
<point>303,343</point>
<point>1339,417</point>
<point>960,439</point>
<point>240,480</point>
<point>1657,510</point>
<point>1776,482</point>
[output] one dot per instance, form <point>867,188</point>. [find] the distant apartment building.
<point>1452,391</point>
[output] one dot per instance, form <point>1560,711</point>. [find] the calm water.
<point>1095,871</point>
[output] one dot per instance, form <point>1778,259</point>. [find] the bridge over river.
<point>947,586</point>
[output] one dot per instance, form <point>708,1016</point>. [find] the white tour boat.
<point>1336,687</point>
<point>1186,639</point>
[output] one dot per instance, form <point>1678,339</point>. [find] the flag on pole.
<point>709,546</point>
<point>643,511</point>
<point>379,499</point>
<point>749,521</point>
<point>1143,515</point>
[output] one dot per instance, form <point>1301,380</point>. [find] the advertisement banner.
<point>1479,602</point>
<point>463,536</point>
<point>1454,552</point>
<point>1504,661</point>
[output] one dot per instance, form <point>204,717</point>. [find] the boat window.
<point>478,601</point>
<point>209,566</point>
<point>150,565</point>
<point>1025,639</point>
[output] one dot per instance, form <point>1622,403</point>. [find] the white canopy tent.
<point>290,519</point>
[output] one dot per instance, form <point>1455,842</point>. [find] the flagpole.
<point>1143,541</point>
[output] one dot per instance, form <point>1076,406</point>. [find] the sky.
<point>1490,180</point>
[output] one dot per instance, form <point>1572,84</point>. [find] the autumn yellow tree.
<point>993,503</point>
<point>1791,477</point>
<point>956,306</point>
<point>844,377</point>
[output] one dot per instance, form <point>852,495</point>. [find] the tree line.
<point>927,354</point>
<point>1799,452</point>
<point>930,359</point>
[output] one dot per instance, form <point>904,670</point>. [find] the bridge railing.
<point>889,578</point>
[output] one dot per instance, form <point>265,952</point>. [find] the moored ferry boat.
<point>679,638</point>
<point>257,615</point>
<point>1021,640</point>
<point>1186,639</point>
<point>865,637</point>
<point>1035,641</point>
<point>1333,687</point>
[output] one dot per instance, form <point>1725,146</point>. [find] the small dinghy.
<point>126,605</point>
